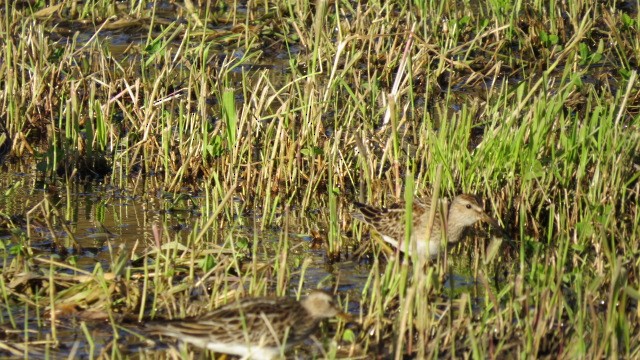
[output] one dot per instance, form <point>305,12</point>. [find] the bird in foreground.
<point>253,328</point>
<point>464,211</point>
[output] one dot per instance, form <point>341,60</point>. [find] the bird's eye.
<point>468,206</point>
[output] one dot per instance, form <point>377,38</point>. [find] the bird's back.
<point>249,321</point>
<point>391,221</point>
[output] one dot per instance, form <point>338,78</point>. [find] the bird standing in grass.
<point>464,211</point>
<point>253,328</point>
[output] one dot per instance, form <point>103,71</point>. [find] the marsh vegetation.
<point>160,158</point>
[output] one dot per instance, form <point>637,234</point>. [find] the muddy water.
<point>103,218</point>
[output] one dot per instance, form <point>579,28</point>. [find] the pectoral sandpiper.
<point>253,328</point>
<point>464,211</point>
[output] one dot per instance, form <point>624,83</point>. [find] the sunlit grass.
<point>267,121</point>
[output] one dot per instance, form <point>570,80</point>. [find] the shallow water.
<point>107,220</point>
<point>103,219</point>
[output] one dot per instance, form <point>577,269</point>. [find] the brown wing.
<point>255,320</point>
<point>390,221</point>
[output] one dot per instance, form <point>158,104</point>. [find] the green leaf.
<point>315,151</point>
<point>229,115</point>
<point>207,263</point>
<point>349,336</point>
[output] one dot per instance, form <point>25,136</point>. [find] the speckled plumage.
<point>464,211</point>
<point>254,328</point>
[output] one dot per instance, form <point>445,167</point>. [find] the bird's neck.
<point>454,231</point>
<point>453,226</point>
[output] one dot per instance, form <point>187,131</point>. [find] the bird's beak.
<point>494,223</point>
